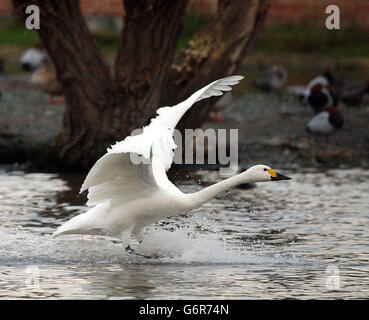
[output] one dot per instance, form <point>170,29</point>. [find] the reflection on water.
<point>273,241</point>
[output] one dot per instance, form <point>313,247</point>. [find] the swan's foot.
<point>131,251</point>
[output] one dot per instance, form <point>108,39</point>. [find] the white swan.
<point>126,197</point>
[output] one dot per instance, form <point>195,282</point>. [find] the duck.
<point>128,188</point>
<point>326,122</point>
<point>44,77</point>
<point>325,79</point>
<point>32,58</point>
<point>272,79</point>
<point>352,94</point>
<point>2,72</point>
<point>321,96</point>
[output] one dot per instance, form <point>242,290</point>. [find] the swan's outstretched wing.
<point>170,116</point>
<point>118,177</point>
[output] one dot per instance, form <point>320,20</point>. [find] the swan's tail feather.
<point>88,222</point>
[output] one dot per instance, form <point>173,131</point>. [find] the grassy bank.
<point>277,39</point>
<point>347,42</point>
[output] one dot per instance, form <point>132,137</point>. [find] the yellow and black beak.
<point>275,176</point>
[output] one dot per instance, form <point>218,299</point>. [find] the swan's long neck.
<point>199,198</point>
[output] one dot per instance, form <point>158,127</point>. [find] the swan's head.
<point>261,173</point>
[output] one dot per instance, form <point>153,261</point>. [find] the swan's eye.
<point>265,169</point>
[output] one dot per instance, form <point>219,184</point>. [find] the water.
<point>305,238</point>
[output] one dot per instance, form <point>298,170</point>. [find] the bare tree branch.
<point>215,52</point>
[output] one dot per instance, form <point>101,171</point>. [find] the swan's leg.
<point>128,249</point>
<point>126,239</point>
<point>138,234</point>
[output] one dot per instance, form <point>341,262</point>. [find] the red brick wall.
<point>89,7</point>
<point>102,7</point>
<point>5,6</point>
<point>353,12</point>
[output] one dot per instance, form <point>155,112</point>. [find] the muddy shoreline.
<point>271,130</point>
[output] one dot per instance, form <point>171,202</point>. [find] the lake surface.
<point>304,238</point>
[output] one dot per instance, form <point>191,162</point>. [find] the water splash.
<point>186,246</point>
<point>182,246</point>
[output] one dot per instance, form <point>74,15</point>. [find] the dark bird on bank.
<point>322,96</point>
<point>326,122</point>
<point>2,68</point>
<point>353,93</point>
<point>272,79</point>
<point>325,79</point>
<point>2,71</point>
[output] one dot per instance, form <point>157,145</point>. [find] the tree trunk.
<point>214,53</point>
<point>102,108</point>
<point>146,51</point>
<point>86,80</point>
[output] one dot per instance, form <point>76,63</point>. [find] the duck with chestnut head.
<point>322,96</point>
<point>326,122</point>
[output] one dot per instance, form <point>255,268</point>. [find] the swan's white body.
<point>127,196</point>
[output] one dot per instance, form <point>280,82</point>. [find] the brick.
<point>352,11</point>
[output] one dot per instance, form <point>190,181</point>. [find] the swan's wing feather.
<point>168,117</point>
<point>132,182</point>
<point>115,178</point>
<point>126,171</point>
<point>215,88</point>
<point>105,169</point>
